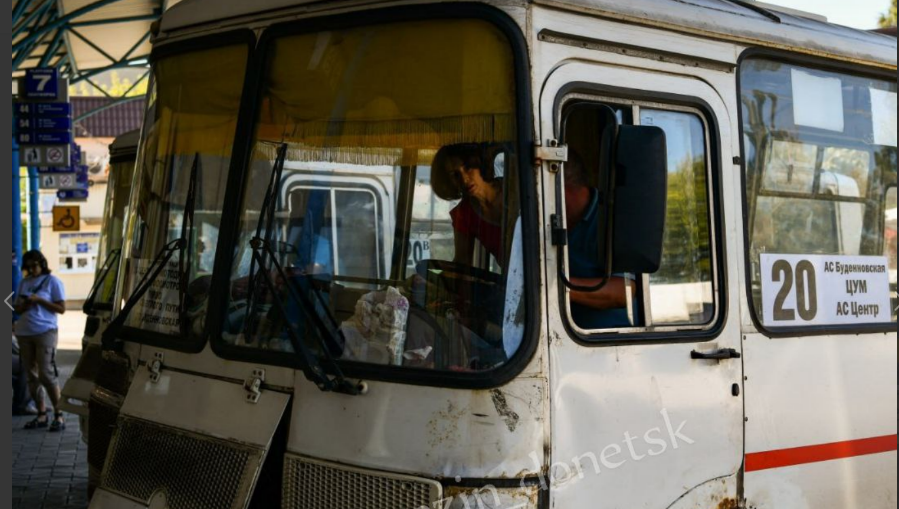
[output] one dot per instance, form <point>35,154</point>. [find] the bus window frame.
<point>367,187</point>
<point>820,64</point>
<point>666,334</point>
<point>173,342</point>
<point>528,187</point>
<point>885,246</point>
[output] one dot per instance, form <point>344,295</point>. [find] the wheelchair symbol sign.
<point>66,219</point>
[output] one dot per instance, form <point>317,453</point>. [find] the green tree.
<point>117,86</point>
<point>888,19</point>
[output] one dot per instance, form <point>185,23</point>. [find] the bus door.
<point>647,407</point>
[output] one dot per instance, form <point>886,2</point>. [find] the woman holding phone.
<point>41,297</point>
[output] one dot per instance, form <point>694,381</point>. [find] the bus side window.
<point>682,291</point>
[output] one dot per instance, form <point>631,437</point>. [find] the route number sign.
<point>808,290</point>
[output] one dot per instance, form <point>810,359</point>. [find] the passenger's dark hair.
<point>575,174</point>
<point>36,256</point>
<point>469,155</point>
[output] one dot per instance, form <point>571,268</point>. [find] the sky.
<point>862,14</point>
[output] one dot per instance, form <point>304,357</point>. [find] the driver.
<point>605,308</point>
<point>459,172</point>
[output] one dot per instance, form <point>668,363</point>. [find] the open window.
<point>682,293</point>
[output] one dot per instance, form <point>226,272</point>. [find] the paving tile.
<point>49,470</point>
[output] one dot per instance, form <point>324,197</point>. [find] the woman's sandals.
<point>58,423</point>
<point>41,421</point>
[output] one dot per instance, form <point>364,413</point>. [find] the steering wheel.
<point>446,267</point>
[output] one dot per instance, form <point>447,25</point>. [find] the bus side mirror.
<point>640,199</point>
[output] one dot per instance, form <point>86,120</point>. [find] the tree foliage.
<point>117,87</point>
<point>888,19</point>
<point>687,243</point>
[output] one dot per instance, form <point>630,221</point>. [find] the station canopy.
<point>83,38</point>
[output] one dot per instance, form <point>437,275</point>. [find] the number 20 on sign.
<point>806,290</point>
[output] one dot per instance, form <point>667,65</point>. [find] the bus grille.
<point>193,471</point>
<point>311,484</point>
<point>103,417</point>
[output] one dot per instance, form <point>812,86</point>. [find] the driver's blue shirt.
<point>583,247</point>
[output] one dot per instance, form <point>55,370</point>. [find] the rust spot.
<point>502,408</point>
<point>729,503</point>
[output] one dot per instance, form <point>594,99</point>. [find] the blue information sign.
<point>82,177</point>
<point>42,83</point>
<point>44,110</point>
<point>80,170</point>
<point>44,124</point>
<point>72,194</point>
<point>52,123</point>
<point>76,155</point>
<point>53,109</point>
<point>54,170</point>
<point>45,138</point>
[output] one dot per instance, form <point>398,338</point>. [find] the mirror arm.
<point>560,239</point>
<point>578,288</point>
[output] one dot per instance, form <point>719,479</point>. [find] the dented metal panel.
<point>426,431</point>
<point>491,497</point>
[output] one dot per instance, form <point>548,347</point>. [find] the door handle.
<point>717,355</point>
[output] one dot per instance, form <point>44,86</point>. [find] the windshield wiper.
<point>263,255</point>
<point>112,258</point>
<point>185,260</point>
<point>180,246</point>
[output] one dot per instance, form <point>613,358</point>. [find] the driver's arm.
<point>611,296</point>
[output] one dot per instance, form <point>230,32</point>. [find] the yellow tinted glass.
<point>413,87</point>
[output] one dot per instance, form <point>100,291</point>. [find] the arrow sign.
<point>7,301</point>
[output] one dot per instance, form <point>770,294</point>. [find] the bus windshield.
<point>187,142</point>
<point>392,214</point>
<point>118,194</point>
<point>820,161</point>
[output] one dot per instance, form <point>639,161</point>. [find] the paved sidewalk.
<point>49,470</point>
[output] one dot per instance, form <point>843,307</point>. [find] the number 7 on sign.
<point>42,81</point>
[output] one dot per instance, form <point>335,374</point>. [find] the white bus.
<point>570,254</point>
<point>110,370</point>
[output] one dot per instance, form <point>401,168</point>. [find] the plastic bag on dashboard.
<point>376,333</point>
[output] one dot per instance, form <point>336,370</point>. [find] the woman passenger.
<point>459,172</point>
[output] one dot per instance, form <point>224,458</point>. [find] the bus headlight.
<point>491,497</point>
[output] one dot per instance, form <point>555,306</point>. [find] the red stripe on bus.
<point>819,453</point>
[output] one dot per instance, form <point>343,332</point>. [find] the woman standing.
<point>41,297</point>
